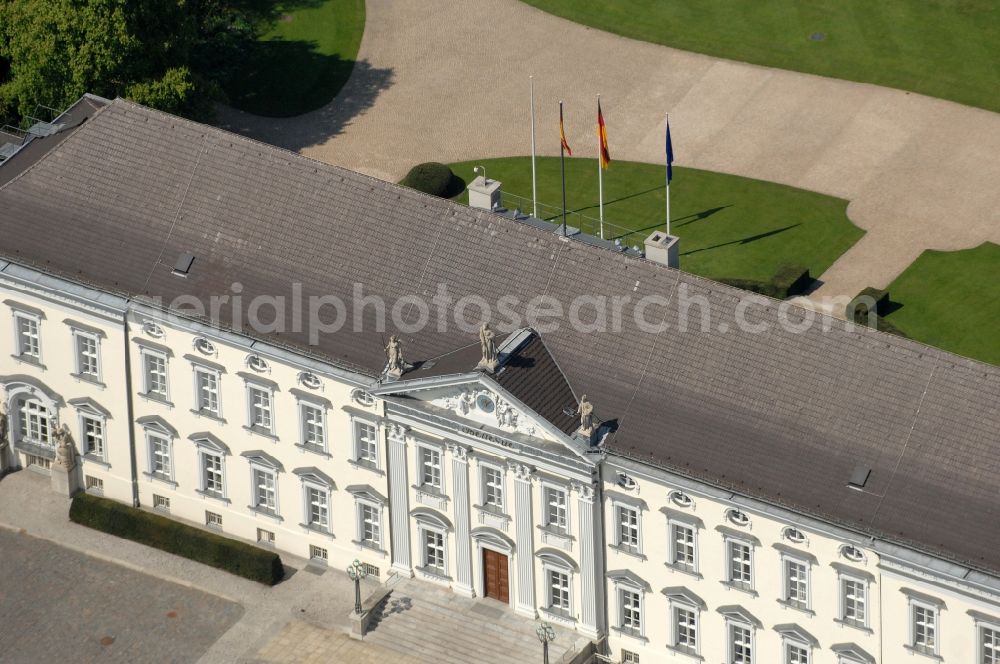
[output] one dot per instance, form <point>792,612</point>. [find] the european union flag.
<point>670,155</point>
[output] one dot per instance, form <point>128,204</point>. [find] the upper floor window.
<point>493,497</point>
<point>796,575</point>
<point>265,490</point>
<point>27,339</point>
<point>923,628</point>
<point>626,481</point>
<point>154,366</point>
<point>204,346</point>
<point>627,521</point>
<point>852,553</point>
<point>88,363</point>
<point>433,550</point>
<point>160,457</point>
<point>313,426</point>
<point>153,330</point>
<point>740,569</point>
<point>366,444</point>
<point>212,477</point>
<point>796,654</point>
<point>685,625</point>
<point>854,601</point>
<point>794,535</point>
<point>370,525</point>
<point>430,468</point>
<point>681,499</point>
<point>555,509</point>
<point>206,390</point>
<point>310,380</point>
<point>258,364</point>
<point>989,642</point>
<point>558,591</point>
<point>260,408</point>
<point>683,546</point>
<point>318,505</point>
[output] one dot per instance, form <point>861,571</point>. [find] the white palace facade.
<point>475,479</point>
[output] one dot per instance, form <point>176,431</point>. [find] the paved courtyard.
<point>447,81</point>
<point>60,605</point>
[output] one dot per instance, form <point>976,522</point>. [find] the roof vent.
<point>183,264</point>
<point>859,478</point>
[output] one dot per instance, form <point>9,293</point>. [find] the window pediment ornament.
<point>316,476</point>
<point>209,441</point>
<point>263,458</point>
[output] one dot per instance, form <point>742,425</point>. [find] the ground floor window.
<point>434,551</point>
<point>740,645</point>
<point>685,629</point>
<point>558,583</point>
<point>631,611</point>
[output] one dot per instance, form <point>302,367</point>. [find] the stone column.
<point>525,554</point>
<point>591,581</point>
<point>399,500</point>
<point>463,539</point>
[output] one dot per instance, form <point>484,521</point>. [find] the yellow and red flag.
<point>562,133</point>
<point>602,136</point>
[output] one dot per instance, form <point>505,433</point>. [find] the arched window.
<point>34,424</point>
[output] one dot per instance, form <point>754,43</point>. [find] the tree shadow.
<point>746,240</point>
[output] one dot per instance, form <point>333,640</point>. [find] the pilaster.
<point>463,539</point>
<point>524,525</point>
<point>591,582</point>
<point>399,500</point>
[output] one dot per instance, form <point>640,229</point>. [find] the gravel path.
<point>446,81</point>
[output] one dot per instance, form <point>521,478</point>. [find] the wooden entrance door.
<point>495,576</point>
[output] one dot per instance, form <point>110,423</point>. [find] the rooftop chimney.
<point>662,248</point>
<point>484,194</point>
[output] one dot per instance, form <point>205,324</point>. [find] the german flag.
<point>602,136</point>
<point>562,133</point>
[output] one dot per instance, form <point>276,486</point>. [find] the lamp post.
<point>545,634</point>
<point>357,572</point>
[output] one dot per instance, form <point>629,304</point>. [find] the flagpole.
<point>600,175</point>
<point>534,181</point>
<point>562,167</point>
<point>666,173</point>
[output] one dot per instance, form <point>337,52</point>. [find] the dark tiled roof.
<point>531,374</point>
<point>781,416</point>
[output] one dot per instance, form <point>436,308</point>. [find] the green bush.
<point>788,281</point>
<point>433,178</point>
<point>173,537</point>
<point>858,308</point>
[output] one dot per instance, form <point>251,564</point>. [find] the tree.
<point>168,54</point>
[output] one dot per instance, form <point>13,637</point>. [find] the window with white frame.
<point>92,429</point>
<point>212,474</point>
<point>213,520</point>
<point>154,366</point>
<point>796,653</point>
<point>854,601</point>
<point>260,408</point>
<point>265,489</point>
<point>923,627</point>
<point>160,464</point>
<point>493,497</point>
<point>629,657</point>
<point>740,644</point>
<point>27,339</point>
<point>630,611</point>
<point>433,550</point>
<point>313,426</point>
<point>370,525</point>
<point>796,573</point>
<point>556,517</point>
<point>685,619</point>
<point>366,444</point>
<point>430,468</point>
<point>683,546</point>
<point>206,385</point>
<point>34,424</point>
<point>740,563</point>
<point>317,506</point>
<point>627,520</point>
<point>989,644</point>
<point>88,362</point>
<point>558,594</point>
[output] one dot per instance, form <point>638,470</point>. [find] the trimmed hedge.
<point>171,536</point>
<point>858,310</point>
<point>435,179</point>
<point>789,281</point>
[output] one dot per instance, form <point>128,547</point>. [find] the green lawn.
<point>951,299</point>
<point>304,56</point>
<point>730,226</point>
<point>942,48</point>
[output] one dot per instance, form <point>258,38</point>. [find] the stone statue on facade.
<point>65,448</point>
<point>488,347</point>
<point>586,412</point>
<point>396,366</point>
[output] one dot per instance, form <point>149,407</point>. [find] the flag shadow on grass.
<point>691,218</point>
<point>746,240</point>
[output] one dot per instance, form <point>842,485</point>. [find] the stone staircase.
<point>440,627</point>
